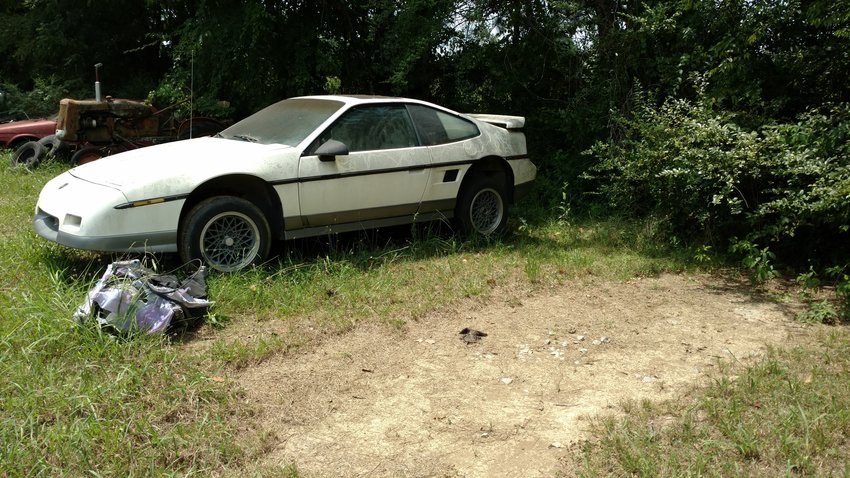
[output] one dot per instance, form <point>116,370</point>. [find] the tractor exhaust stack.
<point>97,81</point>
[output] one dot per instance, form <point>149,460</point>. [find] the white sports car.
<point>302,167</point>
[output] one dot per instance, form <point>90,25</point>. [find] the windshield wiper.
<point>245,137</point>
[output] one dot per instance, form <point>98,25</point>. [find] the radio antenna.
<point>191,92</point>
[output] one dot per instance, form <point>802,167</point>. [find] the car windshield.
<point>286,122</point>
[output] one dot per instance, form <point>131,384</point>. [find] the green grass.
<point>75,401</point>
<point>788,415</point>
<point>409,274</point>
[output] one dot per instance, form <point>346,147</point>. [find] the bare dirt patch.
<point>423,402</point>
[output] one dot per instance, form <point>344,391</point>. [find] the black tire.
<point>28,155</point>
<point>54,147</point>
<point>225,232</point>
<point>50,143</point>
<point>87,155</point>
<point>14,146</point>
<point>482,208</point>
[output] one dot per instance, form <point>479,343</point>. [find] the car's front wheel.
<point>225,232</point>
<point>482,208</point>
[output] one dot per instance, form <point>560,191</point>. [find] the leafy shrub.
<point>41,101</point>
<point>842,289</point>
<point>758,260</point>
<point>682,162</point>
<point>783,186</point>
<point>809,191</point>
<point>819,312</point>
<point>175,92</point>
<point>694,165</point>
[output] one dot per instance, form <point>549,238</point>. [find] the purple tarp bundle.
<point>132,298</point>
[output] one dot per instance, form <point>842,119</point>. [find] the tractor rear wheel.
<point>87,155</point>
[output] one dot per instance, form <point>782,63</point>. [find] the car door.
<point>451,141</point>
<point>383,176</point>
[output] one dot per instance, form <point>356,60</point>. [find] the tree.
<point>58,42</point>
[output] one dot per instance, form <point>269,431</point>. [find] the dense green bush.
<point>715,179</point>
<point>680,161</point>
<point>779,188</point>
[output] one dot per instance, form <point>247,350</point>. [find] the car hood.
<point>27,125</point>
<point>179,166</point>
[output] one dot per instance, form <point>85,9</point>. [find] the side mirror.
<point>330,149</point>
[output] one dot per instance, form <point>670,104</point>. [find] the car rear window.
<point>437,127</point>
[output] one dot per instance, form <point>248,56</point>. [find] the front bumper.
<point>83,215</point>
<point>47,226</point>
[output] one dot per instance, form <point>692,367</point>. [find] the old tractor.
<point>99,128</point>
<point>87,130</point>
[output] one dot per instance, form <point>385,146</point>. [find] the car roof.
<point>364,99</point>
<point>351,100</point>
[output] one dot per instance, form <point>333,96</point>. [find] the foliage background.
<point>729,118</point>
<point>726,123</point>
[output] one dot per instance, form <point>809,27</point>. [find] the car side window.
<point>437,127</point>
<point>372,127</point>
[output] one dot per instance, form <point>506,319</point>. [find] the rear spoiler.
<point>507,122</point>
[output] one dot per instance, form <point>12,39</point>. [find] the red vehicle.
<point>15,133</point>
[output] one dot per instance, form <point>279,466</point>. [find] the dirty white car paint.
<point>302,167</point>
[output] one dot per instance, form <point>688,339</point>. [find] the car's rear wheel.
<point>28,155</point>
<point>225,232</point>
<point>87,155</point>
<point>481,208</point>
